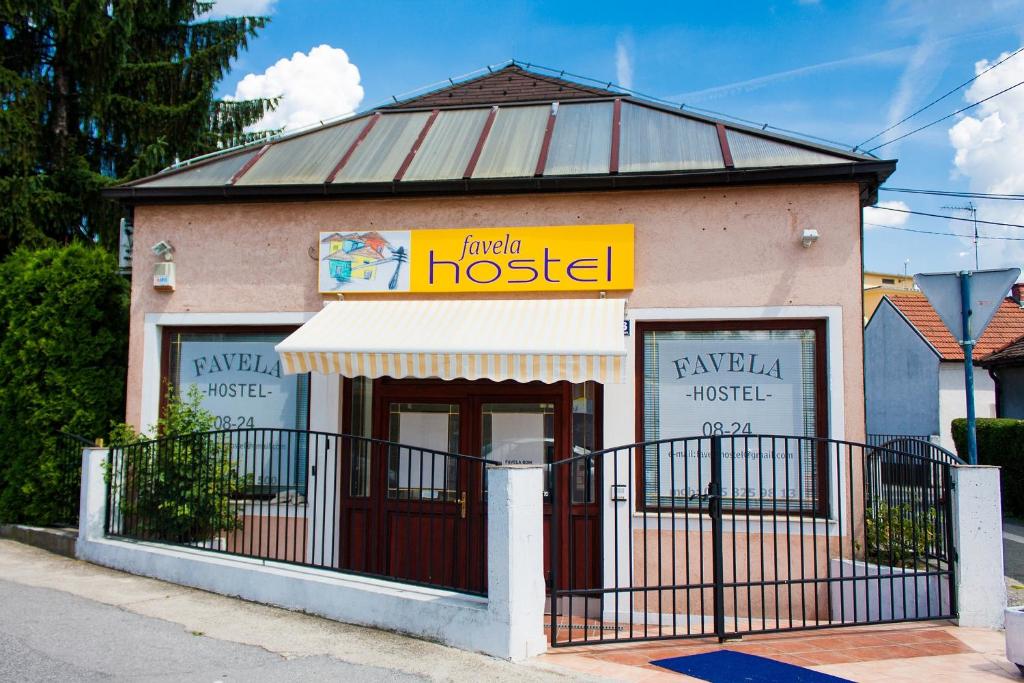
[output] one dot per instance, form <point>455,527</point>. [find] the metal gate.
<point>727,535</point>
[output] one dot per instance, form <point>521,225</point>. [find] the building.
<point>1006,367</point>
<point>913,368</point>
<point>877,285</point>
<point>528,269</point>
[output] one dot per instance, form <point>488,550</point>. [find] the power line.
<point>936,101</point>
<point>952,218</point>
<point>947,116</point>
<point>944,234</point>
<point>953,193</point>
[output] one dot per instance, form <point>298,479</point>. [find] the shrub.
<point>1000,443</point>
<point>63,350</point>
<point>177,484</point>
<point>896,536</point>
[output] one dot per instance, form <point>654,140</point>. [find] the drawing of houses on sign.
<point>366,261</point>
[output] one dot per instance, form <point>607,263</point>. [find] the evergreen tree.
<point>94,92</point>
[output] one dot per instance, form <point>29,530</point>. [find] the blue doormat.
<point>729,666</point>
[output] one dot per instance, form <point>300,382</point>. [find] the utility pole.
<point>973,210</point>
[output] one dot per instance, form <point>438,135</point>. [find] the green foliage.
<point>895,536</point>
<point>63,350</point>
<point>96,92</point>
<point>1000,443</point>
<point>177,485</point>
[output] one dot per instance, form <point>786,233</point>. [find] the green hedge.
<point>63,351</point>
<point>1001,443</point>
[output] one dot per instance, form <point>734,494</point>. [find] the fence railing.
<point>333,501</point>
<point>915,445</point>
<point>729,535</point>
<point>898,471</point>
<point>68,453</point>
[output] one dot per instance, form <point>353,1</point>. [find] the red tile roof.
<point>1006,327</point>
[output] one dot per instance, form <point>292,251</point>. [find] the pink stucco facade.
<point>698,248</point>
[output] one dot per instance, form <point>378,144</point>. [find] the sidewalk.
<point>911,653</point>
<point>286,634</point>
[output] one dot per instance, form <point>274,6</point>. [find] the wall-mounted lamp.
<point>808,238</point>
<point>163,271</point>
<point>164,250</point>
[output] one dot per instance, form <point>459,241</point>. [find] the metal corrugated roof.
<point>610,135</point>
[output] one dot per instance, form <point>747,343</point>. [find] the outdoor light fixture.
<point>808,238</point>
<point>163,249</point>
<point>163,271</point>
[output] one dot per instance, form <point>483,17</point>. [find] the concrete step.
<point>59,540</point>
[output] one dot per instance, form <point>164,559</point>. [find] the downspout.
<point>998,389</point>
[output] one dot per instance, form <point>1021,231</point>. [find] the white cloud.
<point>624,61</point>
<point>989,144</point>
<point>919,76</point>
<point>239,8</point>
<point>313,87</point>
<point>883,217</point>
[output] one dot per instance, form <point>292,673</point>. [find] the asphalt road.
<point>1013,549</point>
<point>48,635</point>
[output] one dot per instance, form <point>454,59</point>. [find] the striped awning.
<point>524,340</point>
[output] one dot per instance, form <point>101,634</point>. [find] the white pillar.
<point>978,538</point>
<point>515,560</point>
<point>92,510</point>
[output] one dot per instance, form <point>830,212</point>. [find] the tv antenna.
<point>973,210</point>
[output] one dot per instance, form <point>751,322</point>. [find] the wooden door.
<point>426,499</point>
<point>426,512</point>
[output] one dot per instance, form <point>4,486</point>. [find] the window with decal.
<point>242,383</point>
<point>757,387</point>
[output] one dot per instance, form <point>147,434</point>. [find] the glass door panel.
<point>418,469</point>
<point>519,434</point>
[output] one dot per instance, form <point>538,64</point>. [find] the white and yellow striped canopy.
<point>524,340</point>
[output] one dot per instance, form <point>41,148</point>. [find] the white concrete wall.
<point>507,624</point>
<point>978,539</point>
<point>953,398</point>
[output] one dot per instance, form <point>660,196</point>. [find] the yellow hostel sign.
<point>533,259</point>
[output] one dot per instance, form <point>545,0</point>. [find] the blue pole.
<point>968,346</point>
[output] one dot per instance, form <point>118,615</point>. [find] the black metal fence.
<point>68,463</point>
<point>331,501</point>
<point>731,535</point>
<point>882,439</point>
<point>898,472</point>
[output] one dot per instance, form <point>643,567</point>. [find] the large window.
<point>240,377</point>
<point>758,386</point>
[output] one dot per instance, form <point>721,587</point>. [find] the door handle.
<point>462,505</point>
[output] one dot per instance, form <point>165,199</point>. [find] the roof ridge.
<point>436,97</point>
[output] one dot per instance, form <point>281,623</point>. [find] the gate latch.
<point>707,495</point>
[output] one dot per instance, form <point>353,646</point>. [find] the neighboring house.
<point>1006,367</point>
<point>913,368</point>
<point>877,285</point>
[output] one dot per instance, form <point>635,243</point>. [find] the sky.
<point>844,71</point>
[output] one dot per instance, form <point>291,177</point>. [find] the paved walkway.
<point>919,653</point>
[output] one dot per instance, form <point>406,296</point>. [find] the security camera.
<point>163,249</point>
<point>809,237</point>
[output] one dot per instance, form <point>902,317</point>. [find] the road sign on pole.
<point>966,302</point>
